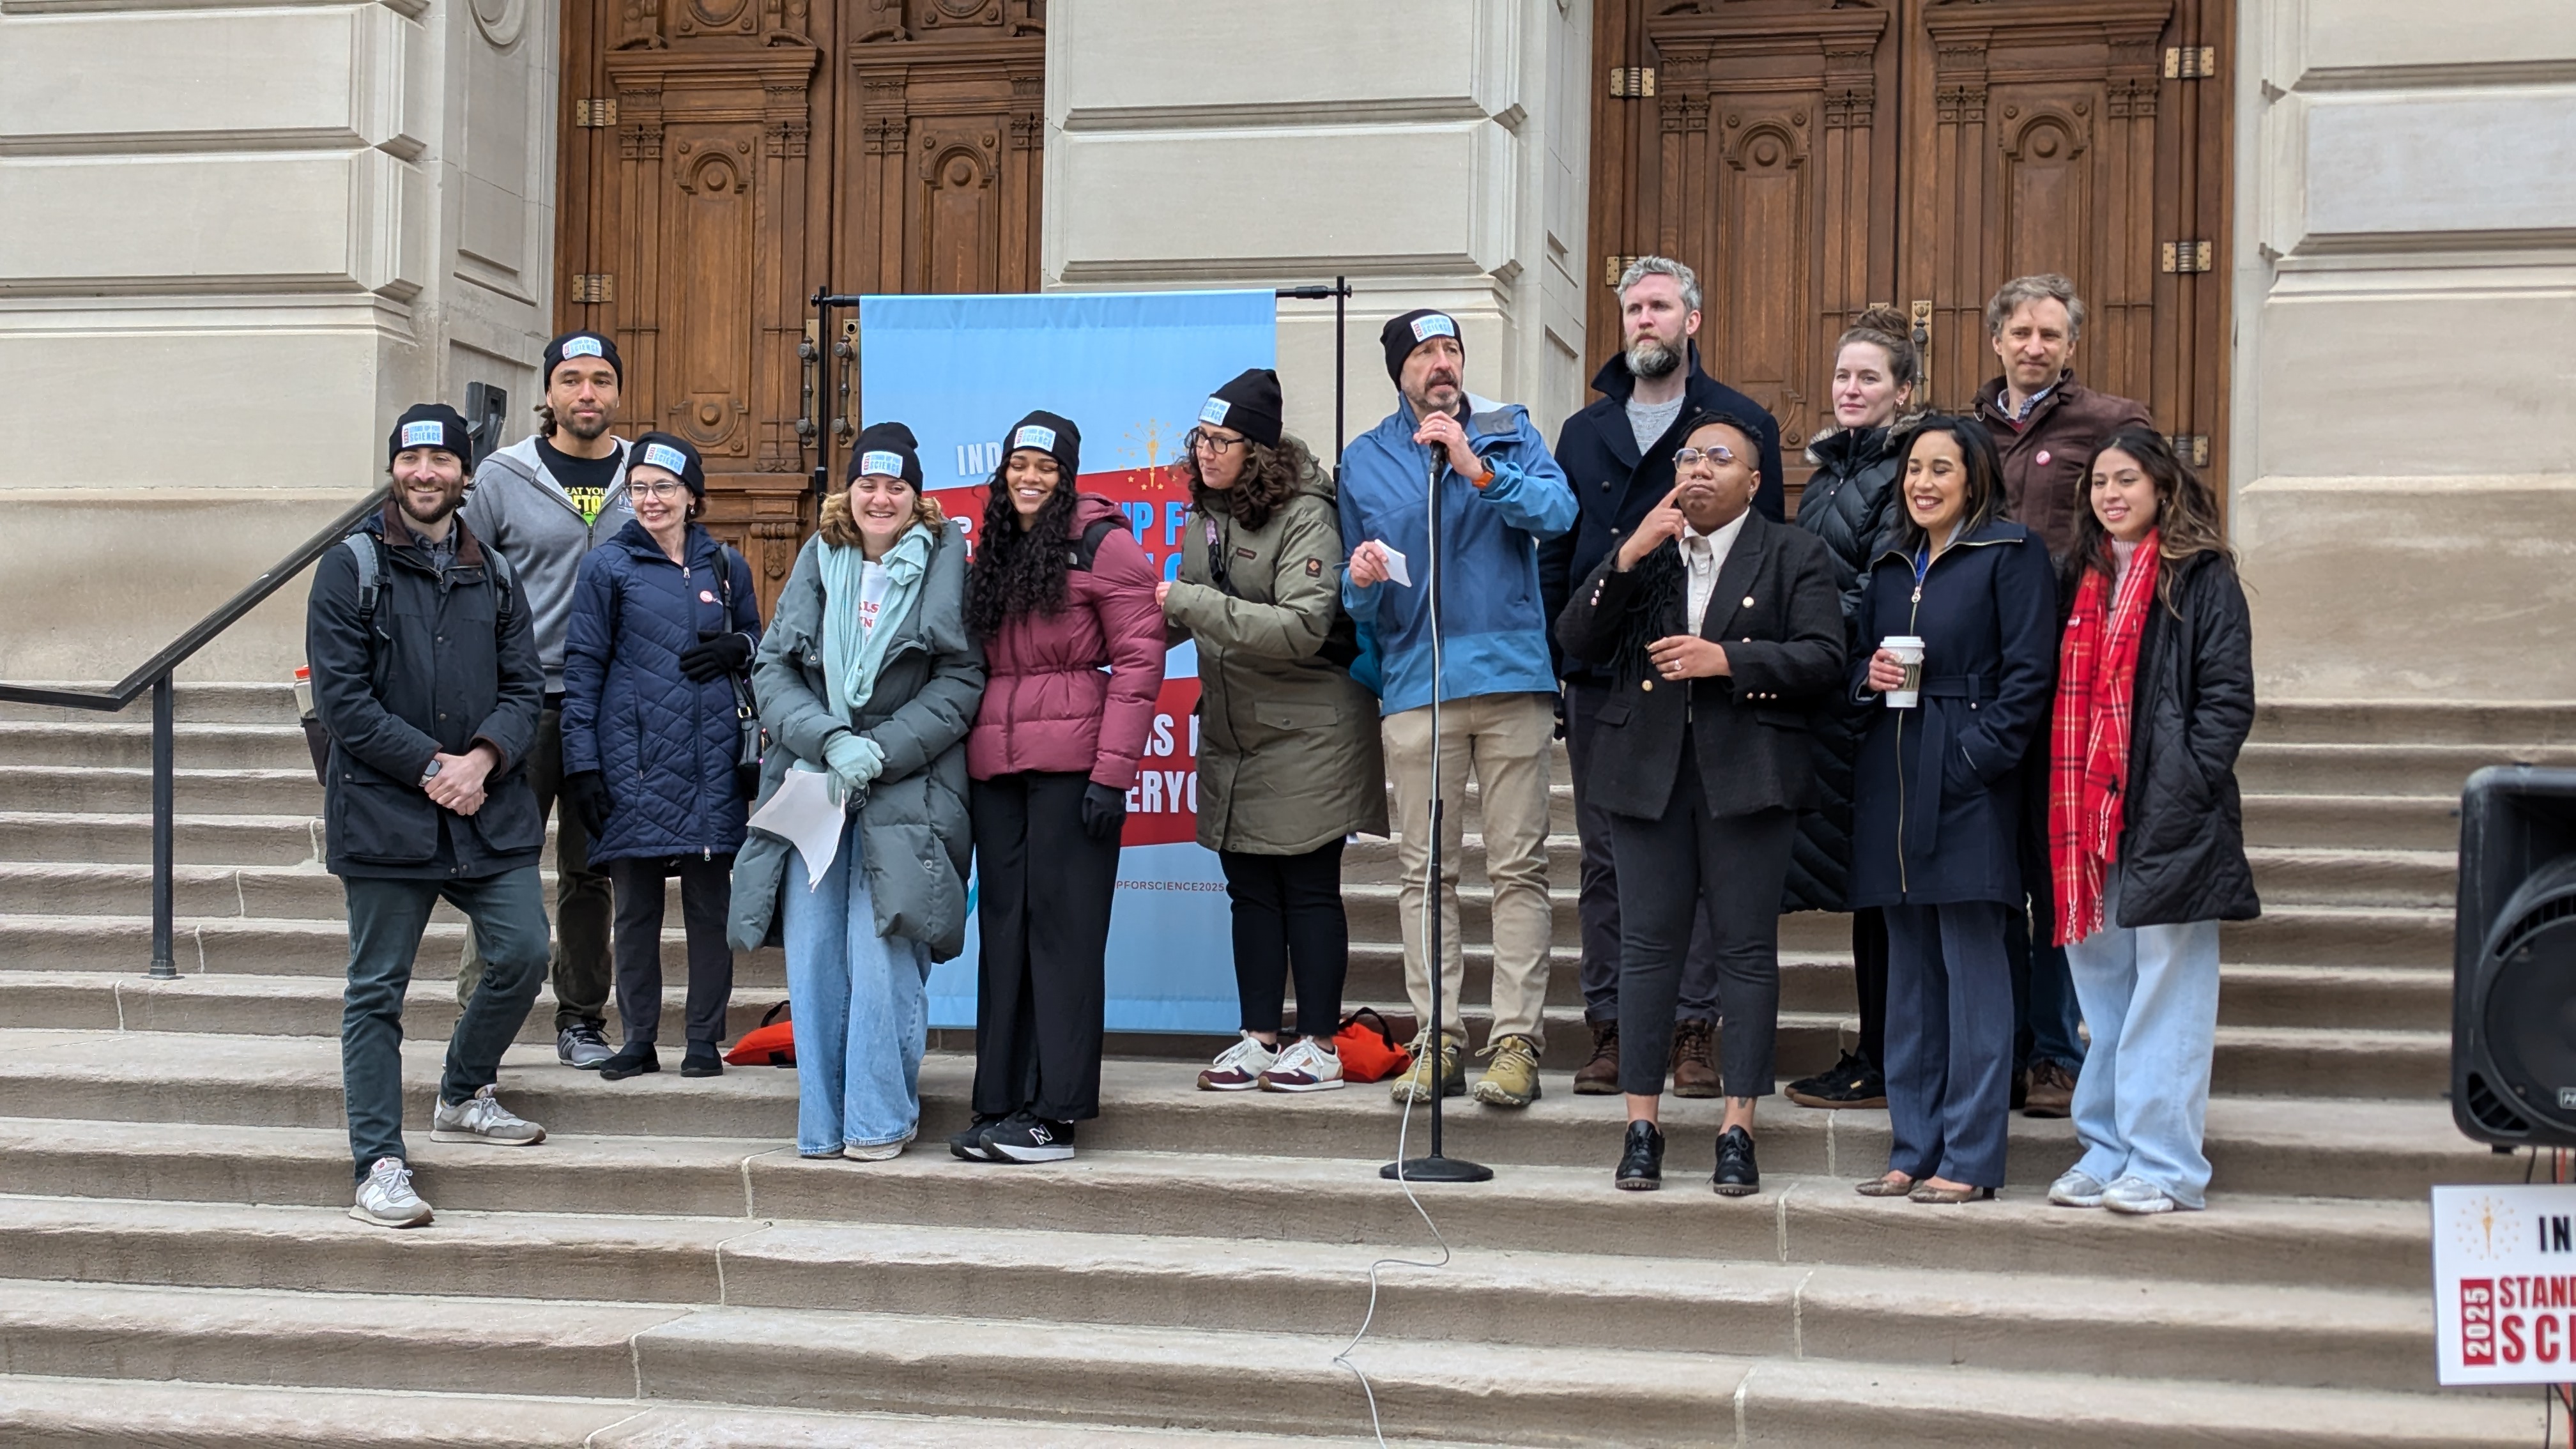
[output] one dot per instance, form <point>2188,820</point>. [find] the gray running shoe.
<point>581,1047</point>
<point>2137,1195</point>
<point>482,1118</point>
<point>385,1197</point>
<point>2076,1188</point>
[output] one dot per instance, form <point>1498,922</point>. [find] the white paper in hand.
<point>1395,572</point>
<point>804,814</point>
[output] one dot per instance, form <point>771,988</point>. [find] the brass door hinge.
<point>592,115</point>
<point>2185,256</point>
<point>2192,448</point>
<point>1613,267</point>
<point>2191,62</point>
<point>593,287</point>
<point>1632,82</point>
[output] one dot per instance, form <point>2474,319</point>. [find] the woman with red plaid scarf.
<point>2155,694</point>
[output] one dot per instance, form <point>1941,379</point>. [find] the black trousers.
<point>1043,891</point>
<point>1288,917</point>
<point>1597,904</point>
<point>706,898</point>
<point>1869,980</point>
<point>1666,867</point>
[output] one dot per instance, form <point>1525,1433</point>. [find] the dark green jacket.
<point>1288,744</point>
<point>913,831</point>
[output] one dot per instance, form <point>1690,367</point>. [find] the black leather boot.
<point>1641,1159</point>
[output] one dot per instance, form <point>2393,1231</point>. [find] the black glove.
<point>1103,811</point>
<point>715,655</point>
<point>587,793</point>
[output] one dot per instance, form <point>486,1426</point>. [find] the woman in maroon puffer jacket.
<point>1059,592</point>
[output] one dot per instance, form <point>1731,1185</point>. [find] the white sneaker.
<point>385,1197</point>
<point>2076,1188</point>
<point>1239,1067</point>
<point>482,1118</point>
<point>1307,1066</point>
<point>2137,1195</point>
<point>879,1151</point>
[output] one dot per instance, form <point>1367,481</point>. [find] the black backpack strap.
<point>1087,548</point>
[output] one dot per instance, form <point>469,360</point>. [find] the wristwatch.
<point>429,772</point>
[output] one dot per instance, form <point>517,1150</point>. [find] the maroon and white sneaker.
<point>1239,1067</point>
<point>1308,1066</point>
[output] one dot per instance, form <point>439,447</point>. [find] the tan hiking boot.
<point>1694,1059</point>
<point>1599,1077</point>
<point>1415,1084</point>
<point>1512,1078</point>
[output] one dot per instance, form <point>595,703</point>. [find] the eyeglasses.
<point>658,490</point>
<point>1201,440</point>
<point>1716,455</point>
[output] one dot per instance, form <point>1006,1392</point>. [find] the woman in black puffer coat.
<point>1847,504</point>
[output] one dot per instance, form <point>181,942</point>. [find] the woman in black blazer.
<point>1721,631</point>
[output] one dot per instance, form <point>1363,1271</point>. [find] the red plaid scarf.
<point>2097,667</point>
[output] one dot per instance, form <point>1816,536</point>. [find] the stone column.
<point>238,243</point>
<point>2405,298</point>
<point>1432,151</point>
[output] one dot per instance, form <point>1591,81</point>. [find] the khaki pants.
<point>1508,740</point>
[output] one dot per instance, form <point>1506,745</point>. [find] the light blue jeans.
<point>2150,994</point>
<point>862,1017</point>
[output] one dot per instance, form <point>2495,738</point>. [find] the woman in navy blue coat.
<point>663,618</point>
<point>1937,802</point>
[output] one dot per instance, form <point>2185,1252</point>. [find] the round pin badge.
<point>706,596</point>
<point>2043,457</point>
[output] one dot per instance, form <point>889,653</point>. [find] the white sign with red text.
<point>2504,1284</point>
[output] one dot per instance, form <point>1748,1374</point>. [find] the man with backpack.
<point>425,677</point>
<point>544,503</point>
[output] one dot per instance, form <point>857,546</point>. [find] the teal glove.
<point>854,760</point>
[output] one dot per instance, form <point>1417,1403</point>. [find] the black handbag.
<point>754,740</point>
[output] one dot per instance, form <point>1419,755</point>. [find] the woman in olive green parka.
<point>1288,743</point>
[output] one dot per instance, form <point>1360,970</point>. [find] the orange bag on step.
<point>1368,1048</point>
<point>771,1044</point>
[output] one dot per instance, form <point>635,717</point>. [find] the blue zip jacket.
<point>663,743</point>
<point>1493,621</point>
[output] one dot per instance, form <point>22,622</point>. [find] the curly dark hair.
<point>1019,570</point>
<point>1270,478</point>
<point>2187,519</point>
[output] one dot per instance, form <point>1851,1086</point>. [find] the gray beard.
<point>1652,359</point>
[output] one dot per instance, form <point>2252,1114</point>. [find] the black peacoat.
<point>1937,805</point>
<point>1776,610</point>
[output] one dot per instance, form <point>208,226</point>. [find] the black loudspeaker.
<point>2513,995</point>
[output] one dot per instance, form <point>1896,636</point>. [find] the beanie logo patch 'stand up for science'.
<point>1434,325</point>
<point>662,455</point>
<point>1215,411</point>
<point>429,433</point>
<point>1034,436</point>
<point>889,465</point>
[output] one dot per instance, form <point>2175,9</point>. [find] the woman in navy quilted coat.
<point>663,618</point>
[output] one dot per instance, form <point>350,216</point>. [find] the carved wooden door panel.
<point>1809,157</point>
<point>722,159</point>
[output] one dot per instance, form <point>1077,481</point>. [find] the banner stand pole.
<point>1340,292</point>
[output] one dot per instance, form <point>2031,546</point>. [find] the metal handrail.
<point>155,672</point>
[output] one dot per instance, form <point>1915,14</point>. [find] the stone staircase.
<point>176,1268</point>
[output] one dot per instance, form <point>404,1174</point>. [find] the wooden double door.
<point>723,159</point>
<point>1812,157</point>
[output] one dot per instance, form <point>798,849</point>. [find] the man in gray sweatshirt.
<point>543,503</point>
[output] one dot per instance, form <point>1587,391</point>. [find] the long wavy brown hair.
<point>2186,510</point>
<point>841,530</point>
<point>1270,478</point>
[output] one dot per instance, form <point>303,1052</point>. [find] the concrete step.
<point>2314,876</point>
<point>71,837</point>
<point>1800,1218</point>
<point>2353,822</point>
<point>128,791</point>
<point>70,1413</point>
<point>2289,1335</point>
<point>2322,1146</point>
<point>2404,722</point>
<point>268,946</point>
<point>2411,936</point>
<point>2381,768</point>
<point>118,740</point>
<point>2335,998</point>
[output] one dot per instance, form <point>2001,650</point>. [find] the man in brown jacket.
<point>2045,424</point>
<point>2047,428</point>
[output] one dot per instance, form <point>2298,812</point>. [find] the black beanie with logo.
<point>672,455</point>
<point>889,449</point>
<point>1048,433</point>
<point>579,344</point>
<point>430,425</point>
<point>1249,405</point>
<point>1410,330</point>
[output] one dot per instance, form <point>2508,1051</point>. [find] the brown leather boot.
<point>1694,1059</point>
<point>1599,1077</point>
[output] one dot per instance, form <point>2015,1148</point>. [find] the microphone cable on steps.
<point>1431,1035</point>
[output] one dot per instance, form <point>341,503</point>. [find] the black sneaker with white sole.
<point>969,1143</point>
<point>1025,1138</point>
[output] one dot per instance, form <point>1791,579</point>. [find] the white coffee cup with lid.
<point>1909,653</point>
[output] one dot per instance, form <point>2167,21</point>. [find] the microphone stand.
<point>1436,1167</point>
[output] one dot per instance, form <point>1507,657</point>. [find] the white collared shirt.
<point>1704,554</point>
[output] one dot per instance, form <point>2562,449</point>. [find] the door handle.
<point>1923,345</point>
